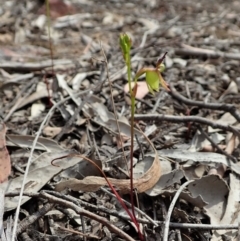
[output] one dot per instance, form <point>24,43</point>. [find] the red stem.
<point>131,215</point>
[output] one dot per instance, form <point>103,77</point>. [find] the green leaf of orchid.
<point>152,79</point>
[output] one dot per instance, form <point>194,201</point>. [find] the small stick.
<point>212,106</point>
<point>170,210</point>
<point>177,119</point>
<point>86,213</point>
<point>148,221</point>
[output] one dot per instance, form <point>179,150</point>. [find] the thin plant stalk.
<point>50,48</point>
<point>154,80</point>
<point>132,96</point>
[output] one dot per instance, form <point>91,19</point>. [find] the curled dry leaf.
<point>142,184</point>
<point>5,163</point>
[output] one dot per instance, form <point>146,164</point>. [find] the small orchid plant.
<point>154,80</point>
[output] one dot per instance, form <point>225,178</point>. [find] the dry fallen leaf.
<point>231,211</point>
<point>214,191</point>
<point>205,158</point>
<point>195,201</point>
<point>33,97</point>
<point>5,163</point>
<point>25,141</point>
<point>93,183</point>
<point>41,171</point>
<point>165,181</point>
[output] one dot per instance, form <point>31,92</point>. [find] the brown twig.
<point>212,106</point>
<point>216,146</point>
<point>86,213</point>
<point>178,119</point>
<point>23,225</point>
<point>199,52</point>
<point>125,217</point>
<point>86,235</point>
<point>170,210</point>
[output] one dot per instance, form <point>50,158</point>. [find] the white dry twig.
<point>169,213</point>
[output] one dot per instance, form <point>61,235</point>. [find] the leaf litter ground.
<point>194,127</point>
